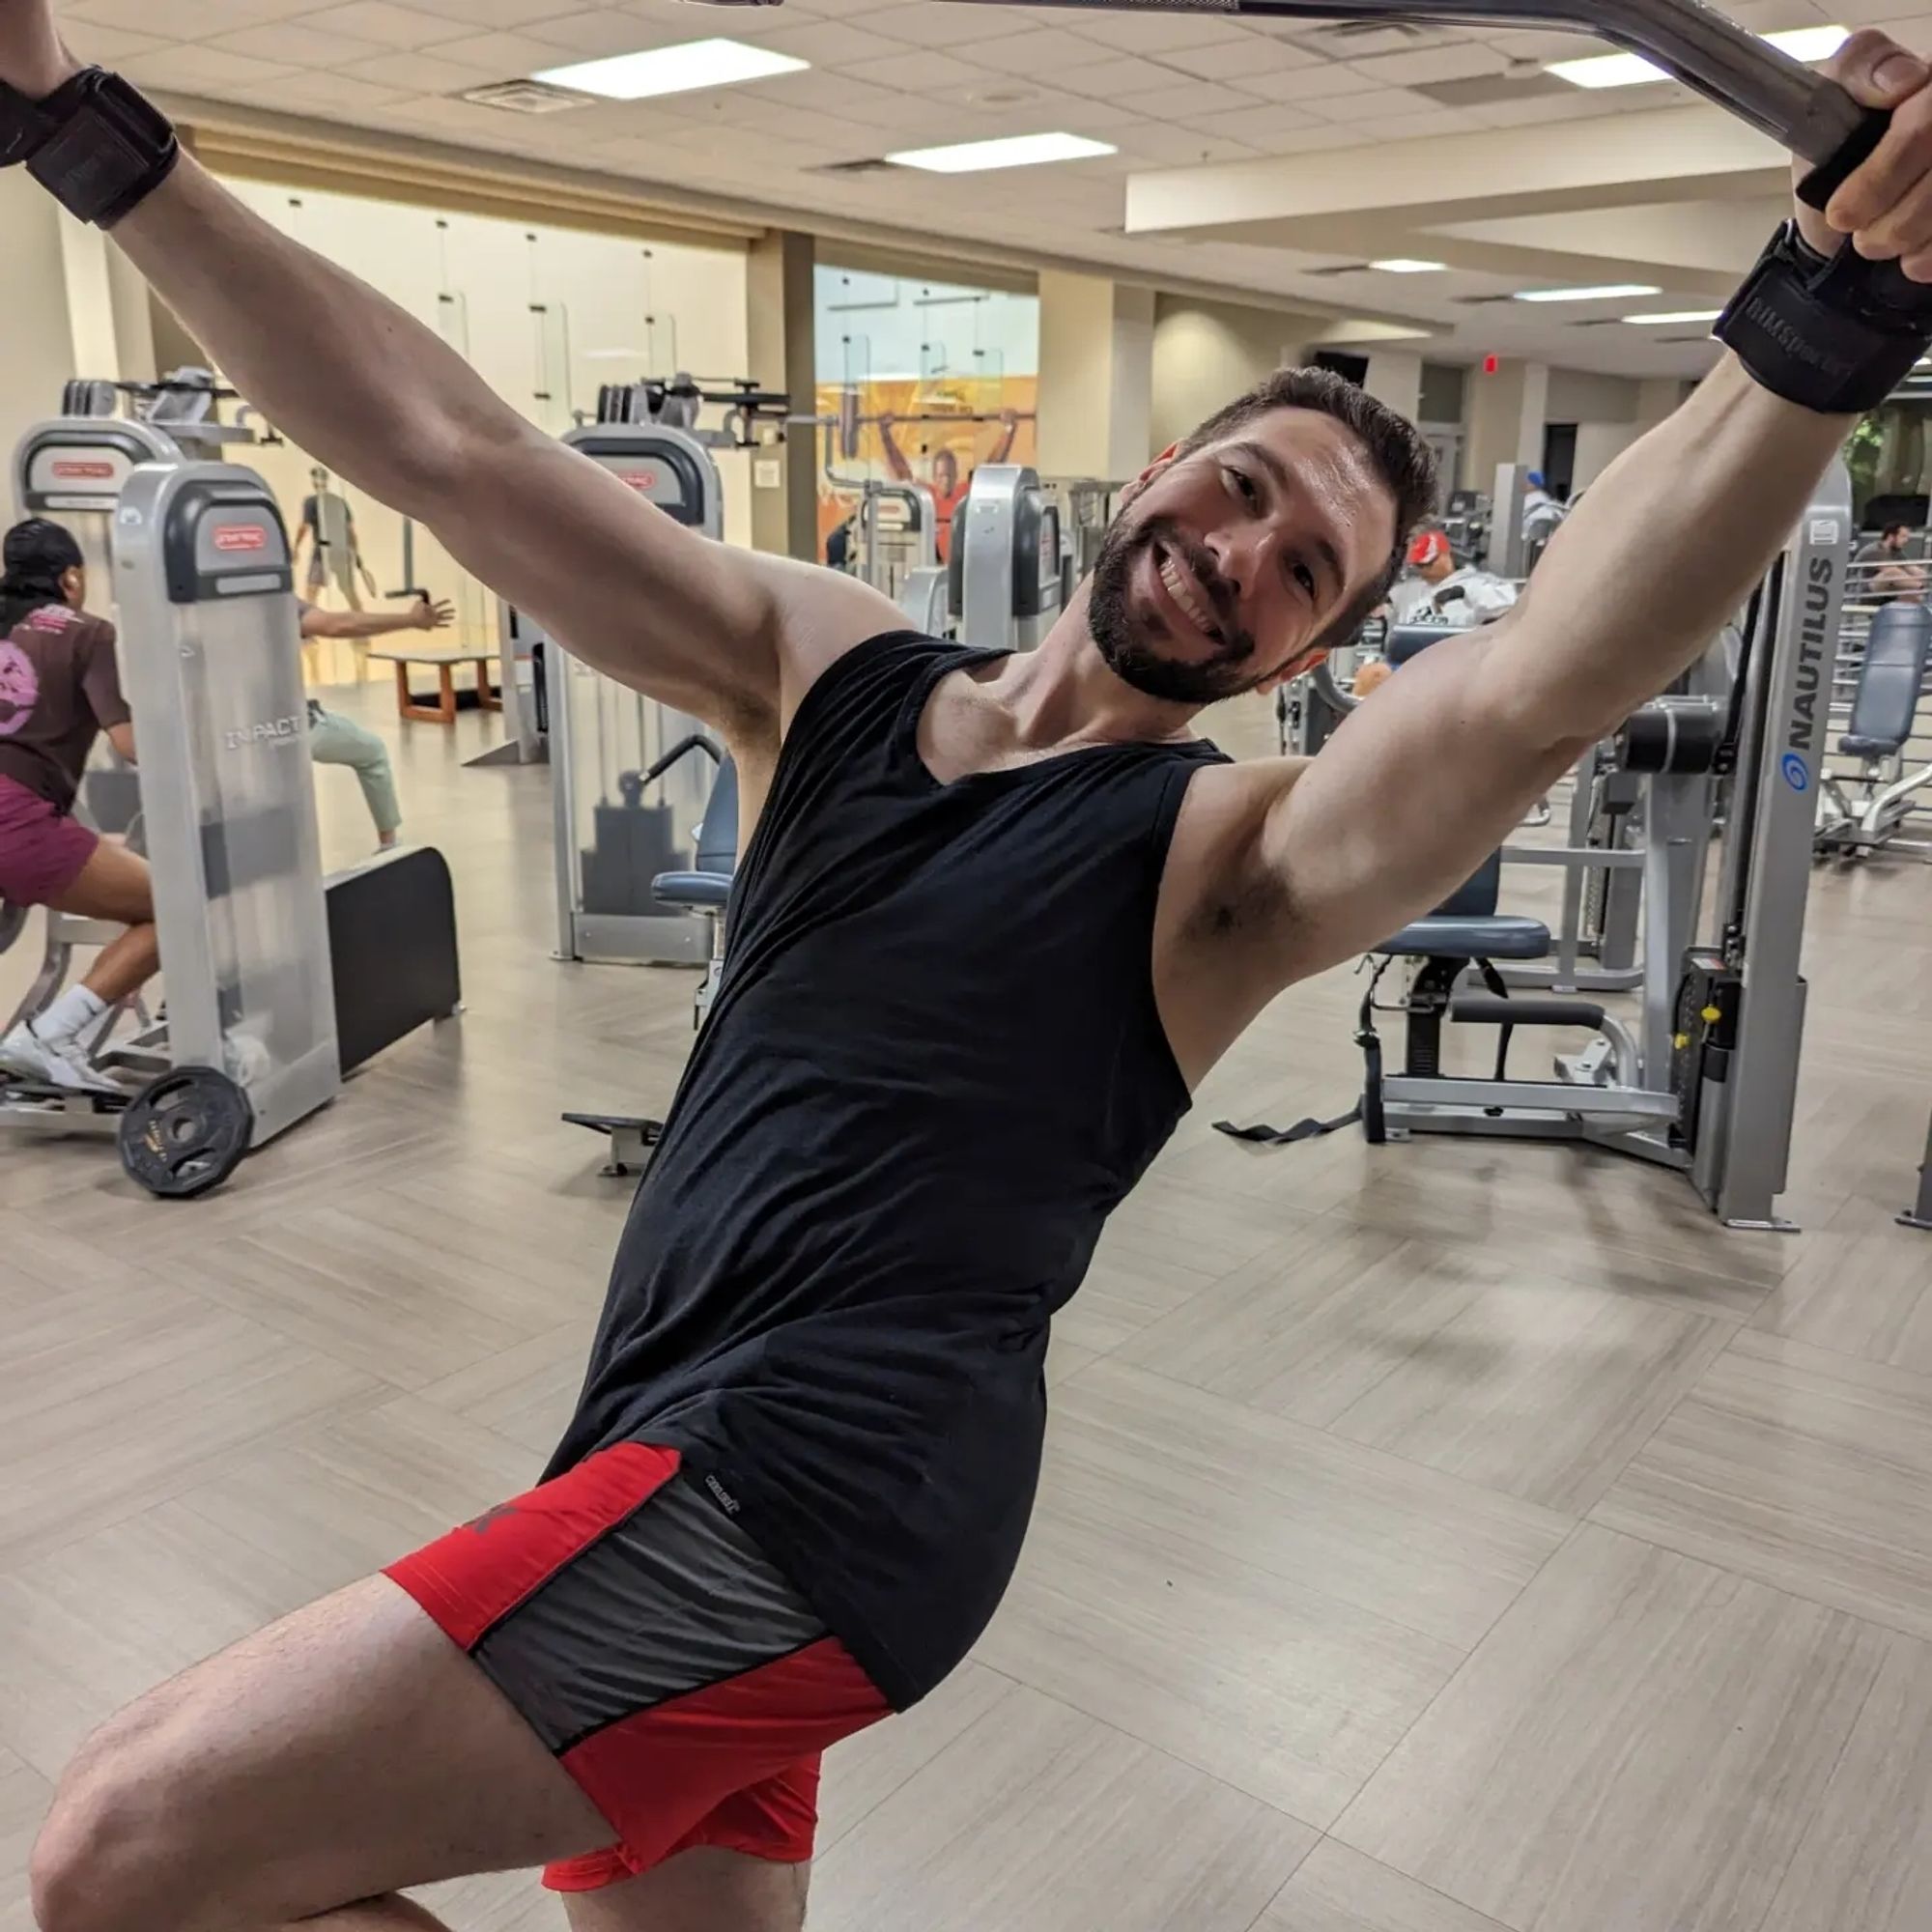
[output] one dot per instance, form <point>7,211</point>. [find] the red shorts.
<point>42,849</point>
<point>678,1678</point>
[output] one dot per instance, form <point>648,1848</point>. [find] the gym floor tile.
<point>1260,1600</point>
<point>1043,1820</point>
<point>1639,1744</point>
<point>1337,1889</point>
<point>24,1796</point>
<point>1865,1863</point>
<point>1864,1286</point>
<point>1810,1469</point>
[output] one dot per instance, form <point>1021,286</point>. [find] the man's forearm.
<point>356,624</point>
<point>354,380</point>
<point>1662,551</point>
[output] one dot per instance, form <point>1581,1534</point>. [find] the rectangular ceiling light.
<point>678,70</point>
<point>1675,315</point>
<point>1609,292</point>
<point>1402,265</point>
<point>1805,44</point>
<point>1016,150</point>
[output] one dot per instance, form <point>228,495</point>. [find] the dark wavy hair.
<point>1402,461</point>
<point>34,558</point>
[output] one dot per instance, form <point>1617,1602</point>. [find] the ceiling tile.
<point>1034,52</point>
<point>829,42</point>
<point>1260,126</point>
<point>921,71</point>
<point>1462,60</point>
<point>1170,147</point>
<point>1235,59</point>
<point>506,56</point>
<point>474,14</point>
<point>1157,33</point>
<point>209,17</point>
<point>95,43</point>
<point>941,23</point>
<point>1109,79</point>
<point>333,93</point>
<point>595,35</point>
<point>1327,82</point>
<point>384,22</point>
<point>1369,109</point>
<point>292,43</point>
<point>420,73</point>
<point>854,100</point>
<point>202,71</point>
<point>1190,100</point>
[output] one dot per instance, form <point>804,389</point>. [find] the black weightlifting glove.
<point>1836,334</point>
<point>95,144</point>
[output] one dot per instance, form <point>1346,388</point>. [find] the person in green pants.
<point>335,740</point>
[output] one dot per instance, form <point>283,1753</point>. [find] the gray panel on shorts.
<point>674,1597</point>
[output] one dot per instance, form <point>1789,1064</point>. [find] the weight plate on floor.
<point>185,1132</point>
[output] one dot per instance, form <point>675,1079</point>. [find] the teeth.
<point>1182,595</point>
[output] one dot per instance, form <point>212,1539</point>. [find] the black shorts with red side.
<point>677,1677</point>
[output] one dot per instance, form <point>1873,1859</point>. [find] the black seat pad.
<point>1447,937</point>
<point>692,889</point>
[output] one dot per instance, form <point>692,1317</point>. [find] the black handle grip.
<point>1818,188</point>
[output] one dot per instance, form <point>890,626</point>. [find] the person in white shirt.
<point>1437,591</point>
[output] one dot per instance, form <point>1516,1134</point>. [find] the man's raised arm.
<point>379,399</point>
<point>1432,774</point>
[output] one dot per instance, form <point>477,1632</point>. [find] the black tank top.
<point>933,1068</point>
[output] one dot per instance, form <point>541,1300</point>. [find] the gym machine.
<point>628,780</point>
<point>1707,1083</point>
<point>895,533</point>
<point>278,982</point>
<point>1920,1213</point>
<point>1007,581</point>
<point>1863,813</point>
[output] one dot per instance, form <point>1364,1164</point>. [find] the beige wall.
<point>1395,378</point>
<point>1206,353</point>
<point>1598,445</point>
<point>1580,396</point>
<point>38,353</point>
<point>1095,377</point>
<point>618,310</point>
<point>1506,416</point>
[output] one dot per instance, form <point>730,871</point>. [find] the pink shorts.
<point>42,849</point>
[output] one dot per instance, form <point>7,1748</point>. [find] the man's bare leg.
<point>312,1769</point>
<point>697,1892</point>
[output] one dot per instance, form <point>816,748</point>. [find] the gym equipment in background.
<point>1707,1083</point>
<point>1866,813</point>
<point>1920,1213</point>
<point>626,807</point>
<point>1007,582</point>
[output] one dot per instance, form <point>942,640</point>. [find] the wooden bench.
<point>444,659</point>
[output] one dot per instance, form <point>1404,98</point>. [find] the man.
<point>60,689</point>
<point>1894,574</point>
<point>335,740</point>
<point>995,918</point>
<point>950,490</point>
<point>1440,592</point>
<point>335,555</point>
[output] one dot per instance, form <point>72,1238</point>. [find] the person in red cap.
<point>1436,591</point>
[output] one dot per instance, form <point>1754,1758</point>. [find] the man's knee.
<point>116,1853</point>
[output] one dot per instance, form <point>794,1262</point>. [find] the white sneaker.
<point>52,1062</point>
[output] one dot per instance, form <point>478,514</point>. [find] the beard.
<point>1127,643</point>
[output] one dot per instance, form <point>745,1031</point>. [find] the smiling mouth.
<point>1181,586</point>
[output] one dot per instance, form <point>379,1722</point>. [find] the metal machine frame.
<point>1006,559</point>
<point>672,469</point>
<point>1710,1085</point>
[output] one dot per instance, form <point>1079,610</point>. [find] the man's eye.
<point>1305,577</point>
<point>1245,485</point>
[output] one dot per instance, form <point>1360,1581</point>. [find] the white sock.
<point>76,1007</point>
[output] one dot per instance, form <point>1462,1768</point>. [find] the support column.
<point>1206,353</point>
<point>1507,418</point>
<point>1095,377</point>
<point>780,327</point>
<point>1395,378</point>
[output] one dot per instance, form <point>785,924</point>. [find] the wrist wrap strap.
<point>1833,334</point>
<point>95,144</point>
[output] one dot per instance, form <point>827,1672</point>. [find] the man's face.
<point>1894,540</point>
<point>1440,567</point>
<point>946,470</point>
<point>1225,568</point>
<point>73,588</point>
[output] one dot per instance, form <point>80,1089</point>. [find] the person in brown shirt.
<point>59,691</point>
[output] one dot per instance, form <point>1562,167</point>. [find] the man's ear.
<point>1162,461</point>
